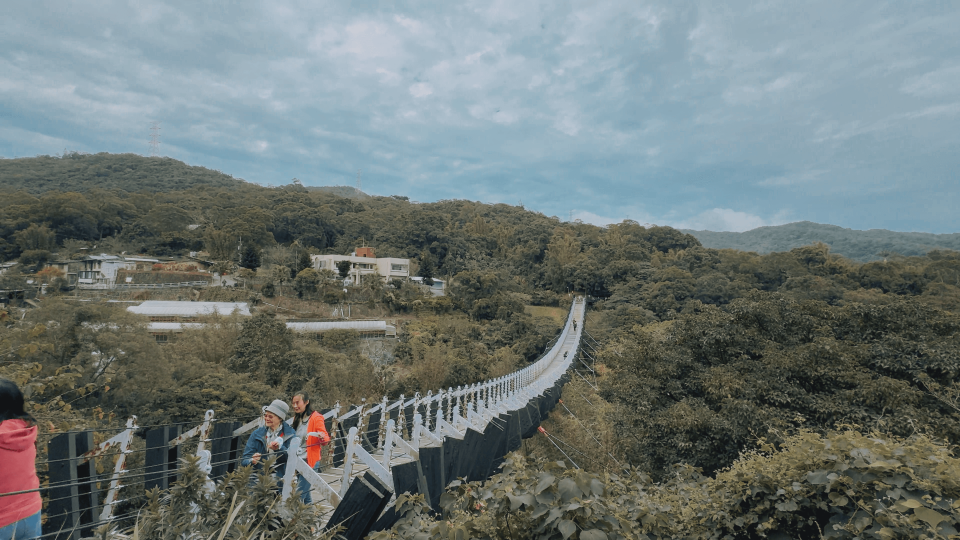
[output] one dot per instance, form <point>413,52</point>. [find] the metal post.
<point>382,428</point>
<point>426,411</point>
<point>123,441</point>
<point>290,472</point>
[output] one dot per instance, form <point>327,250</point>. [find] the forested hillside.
<point>348,192</point>
<point>863,246</point>
<point>85,172</point>
<point>746,393</point>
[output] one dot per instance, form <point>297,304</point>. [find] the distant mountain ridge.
<point>861,246</point>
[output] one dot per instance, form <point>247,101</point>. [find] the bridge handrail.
<point>454,411</point>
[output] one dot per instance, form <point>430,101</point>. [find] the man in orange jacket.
<point>312,430</point>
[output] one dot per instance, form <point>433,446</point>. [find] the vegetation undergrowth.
<point>245,504</point>
<point>843,484</point>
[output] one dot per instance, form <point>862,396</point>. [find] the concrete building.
<point>169,318</point>
<point>100,271</point>
<point>70,269</point>
<point>172,311</point>
<point>8,267</point>
<point>363,262</point>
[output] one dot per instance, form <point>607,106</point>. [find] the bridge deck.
<point>548,369</point>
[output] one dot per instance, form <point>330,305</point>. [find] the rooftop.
<point>172,308</point>
<point>360,326</point>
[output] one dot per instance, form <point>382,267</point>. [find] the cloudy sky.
<point>688,114</point>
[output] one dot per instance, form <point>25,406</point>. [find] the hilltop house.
<point>100,271</point>
<point>70,269</point>
<point>7,267</point>
<point>363,262</point>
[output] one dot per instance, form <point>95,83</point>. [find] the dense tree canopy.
<point>700,353</point>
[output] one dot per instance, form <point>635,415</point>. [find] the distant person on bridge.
<point>312,431</point>
<point>272,438</point>
<point>19,514</point>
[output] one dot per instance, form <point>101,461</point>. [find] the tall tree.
<point>35,238</point>
<point>250,258</point>
<point>427,268</point>
<point>220,245</point>
<point>303,261</point>
<point>343,267</point>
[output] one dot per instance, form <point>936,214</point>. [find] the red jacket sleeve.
<point>316,424</point>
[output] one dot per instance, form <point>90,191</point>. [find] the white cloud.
<point>791,179</point>
<point>590,217</point>
<point>941,82</point>
<point>949,109</point>
<point>12,134</point>
<point>725,219</point>
<point>602,221</point>
<point>420,90</point>
<point>789,85</point>
<point>592,95</point>
<point>414,26</point>
<point>388,77</point>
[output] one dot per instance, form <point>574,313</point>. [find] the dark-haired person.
<point>312,430</point>
<point>19,514</point>
<point>273,437</point>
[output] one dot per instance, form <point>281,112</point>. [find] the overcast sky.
<point>678,113</point>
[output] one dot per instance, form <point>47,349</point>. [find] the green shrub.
<point>839,485</point>
<point>239,507</point>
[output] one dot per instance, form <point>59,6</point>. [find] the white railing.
<point>453,412</point>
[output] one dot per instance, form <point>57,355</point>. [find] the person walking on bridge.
<point>312,431</point>
<point>272,438</point>
<point>19,514</point>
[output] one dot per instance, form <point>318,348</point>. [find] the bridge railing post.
<point>382,428</point>
<point>161,459</point>
<point>291,469</point>
<point>73,497</point>
<point>427,409</point>
<point>122,441</point>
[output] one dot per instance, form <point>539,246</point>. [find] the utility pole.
<point>155,139</point>
<point>359,186</point>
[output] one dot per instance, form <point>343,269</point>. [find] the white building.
<point>363,262</point>
<point>168,318</point>
<point>100,271</point>
<point>176,312</point>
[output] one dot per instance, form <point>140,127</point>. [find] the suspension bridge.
<point>378,450</point>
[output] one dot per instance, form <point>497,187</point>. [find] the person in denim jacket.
<point>273,438</point>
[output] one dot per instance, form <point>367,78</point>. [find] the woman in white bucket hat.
<point>271,438</point>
